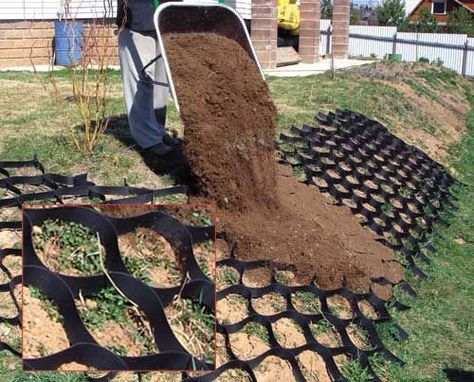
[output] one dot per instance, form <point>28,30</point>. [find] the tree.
<point>407,26</point>
<point>326,9</point>
<point>355,16</point>
<point>391,12</point>
<point>460,20</point>
<point>427,22</point>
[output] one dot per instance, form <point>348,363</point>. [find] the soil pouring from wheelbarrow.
<point>174,18</point>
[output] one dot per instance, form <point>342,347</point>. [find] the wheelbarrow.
<point>220,19</point>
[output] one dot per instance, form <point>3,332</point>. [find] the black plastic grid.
<point>344,134</point>
<point>64,289</point>
<point>397,189</point>
<point>348,348</point>
<point>66,188</point>
<point>62,189</point>
<point>14,281</point>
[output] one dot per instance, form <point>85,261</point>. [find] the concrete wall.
<point>264,31</point>
<point>309,30</point>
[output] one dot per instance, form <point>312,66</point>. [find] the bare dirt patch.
<point>247,346</point>
<point>266,370</point>
<point>313,367</point>
<point>37,341</point>
<point>231,309</point>
<point>450,123</point>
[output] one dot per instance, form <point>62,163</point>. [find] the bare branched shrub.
<point>89,77</point>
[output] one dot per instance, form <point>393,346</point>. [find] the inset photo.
<point>119,287</point>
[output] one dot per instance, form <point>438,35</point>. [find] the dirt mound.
<point>309,236</point>
<point>435,99</point>
<point>230,125</point>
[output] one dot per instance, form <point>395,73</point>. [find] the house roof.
<point>412,5</point>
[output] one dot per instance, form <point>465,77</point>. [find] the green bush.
<point>391,12</point>
<point>427,22</point>
<point>460,20</point>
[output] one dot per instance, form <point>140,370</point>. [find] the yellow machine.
<point>289,17</point>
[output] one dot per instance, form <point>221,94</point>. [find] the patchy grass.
<point>440,321</point>
<point>108,305</point>
<point>33,122</point>
<point>299,99</point>
<point>257,330</point>
<point>48,304</point>
<point>46,377</point>
<point>194,327</point>
<point>150,258</point>
<point>227,276</point>
<point>306,302</point>
<point>67,247</point>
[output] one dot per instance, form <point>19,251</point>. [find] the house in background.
<point>27,26</point>
<point>439,8</point>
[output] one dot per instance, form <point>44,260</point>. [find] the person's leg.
<point>135,51</point>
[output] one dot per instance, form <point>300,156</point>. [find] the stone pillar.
<point>309,30</point>
<point>264,31</point>
<point>340,28</point>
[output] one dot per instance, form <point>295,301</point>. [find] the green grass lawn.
<point>440,321</point>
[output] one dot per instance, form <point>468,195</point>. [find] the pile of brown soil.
<point>310,236</point>
<point>230,124</point>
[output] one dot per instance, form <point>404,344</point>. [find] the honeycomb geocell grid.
<point>64,289</point>
<point>347,348</point>
<point>396,189</point>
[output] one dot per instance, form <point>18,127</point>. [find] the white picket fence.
<point>456,51</point>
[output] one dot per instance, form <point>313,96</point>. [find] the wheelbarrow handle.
<point>146,78</point>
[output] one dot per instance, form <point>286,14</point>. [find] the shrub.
<point>88,81</point>
<point>427,23</point>
<point>461,21</point>
<point>391,12</point>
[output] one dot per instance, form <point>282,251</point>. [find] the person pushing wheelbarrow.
<point>145,84</point>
